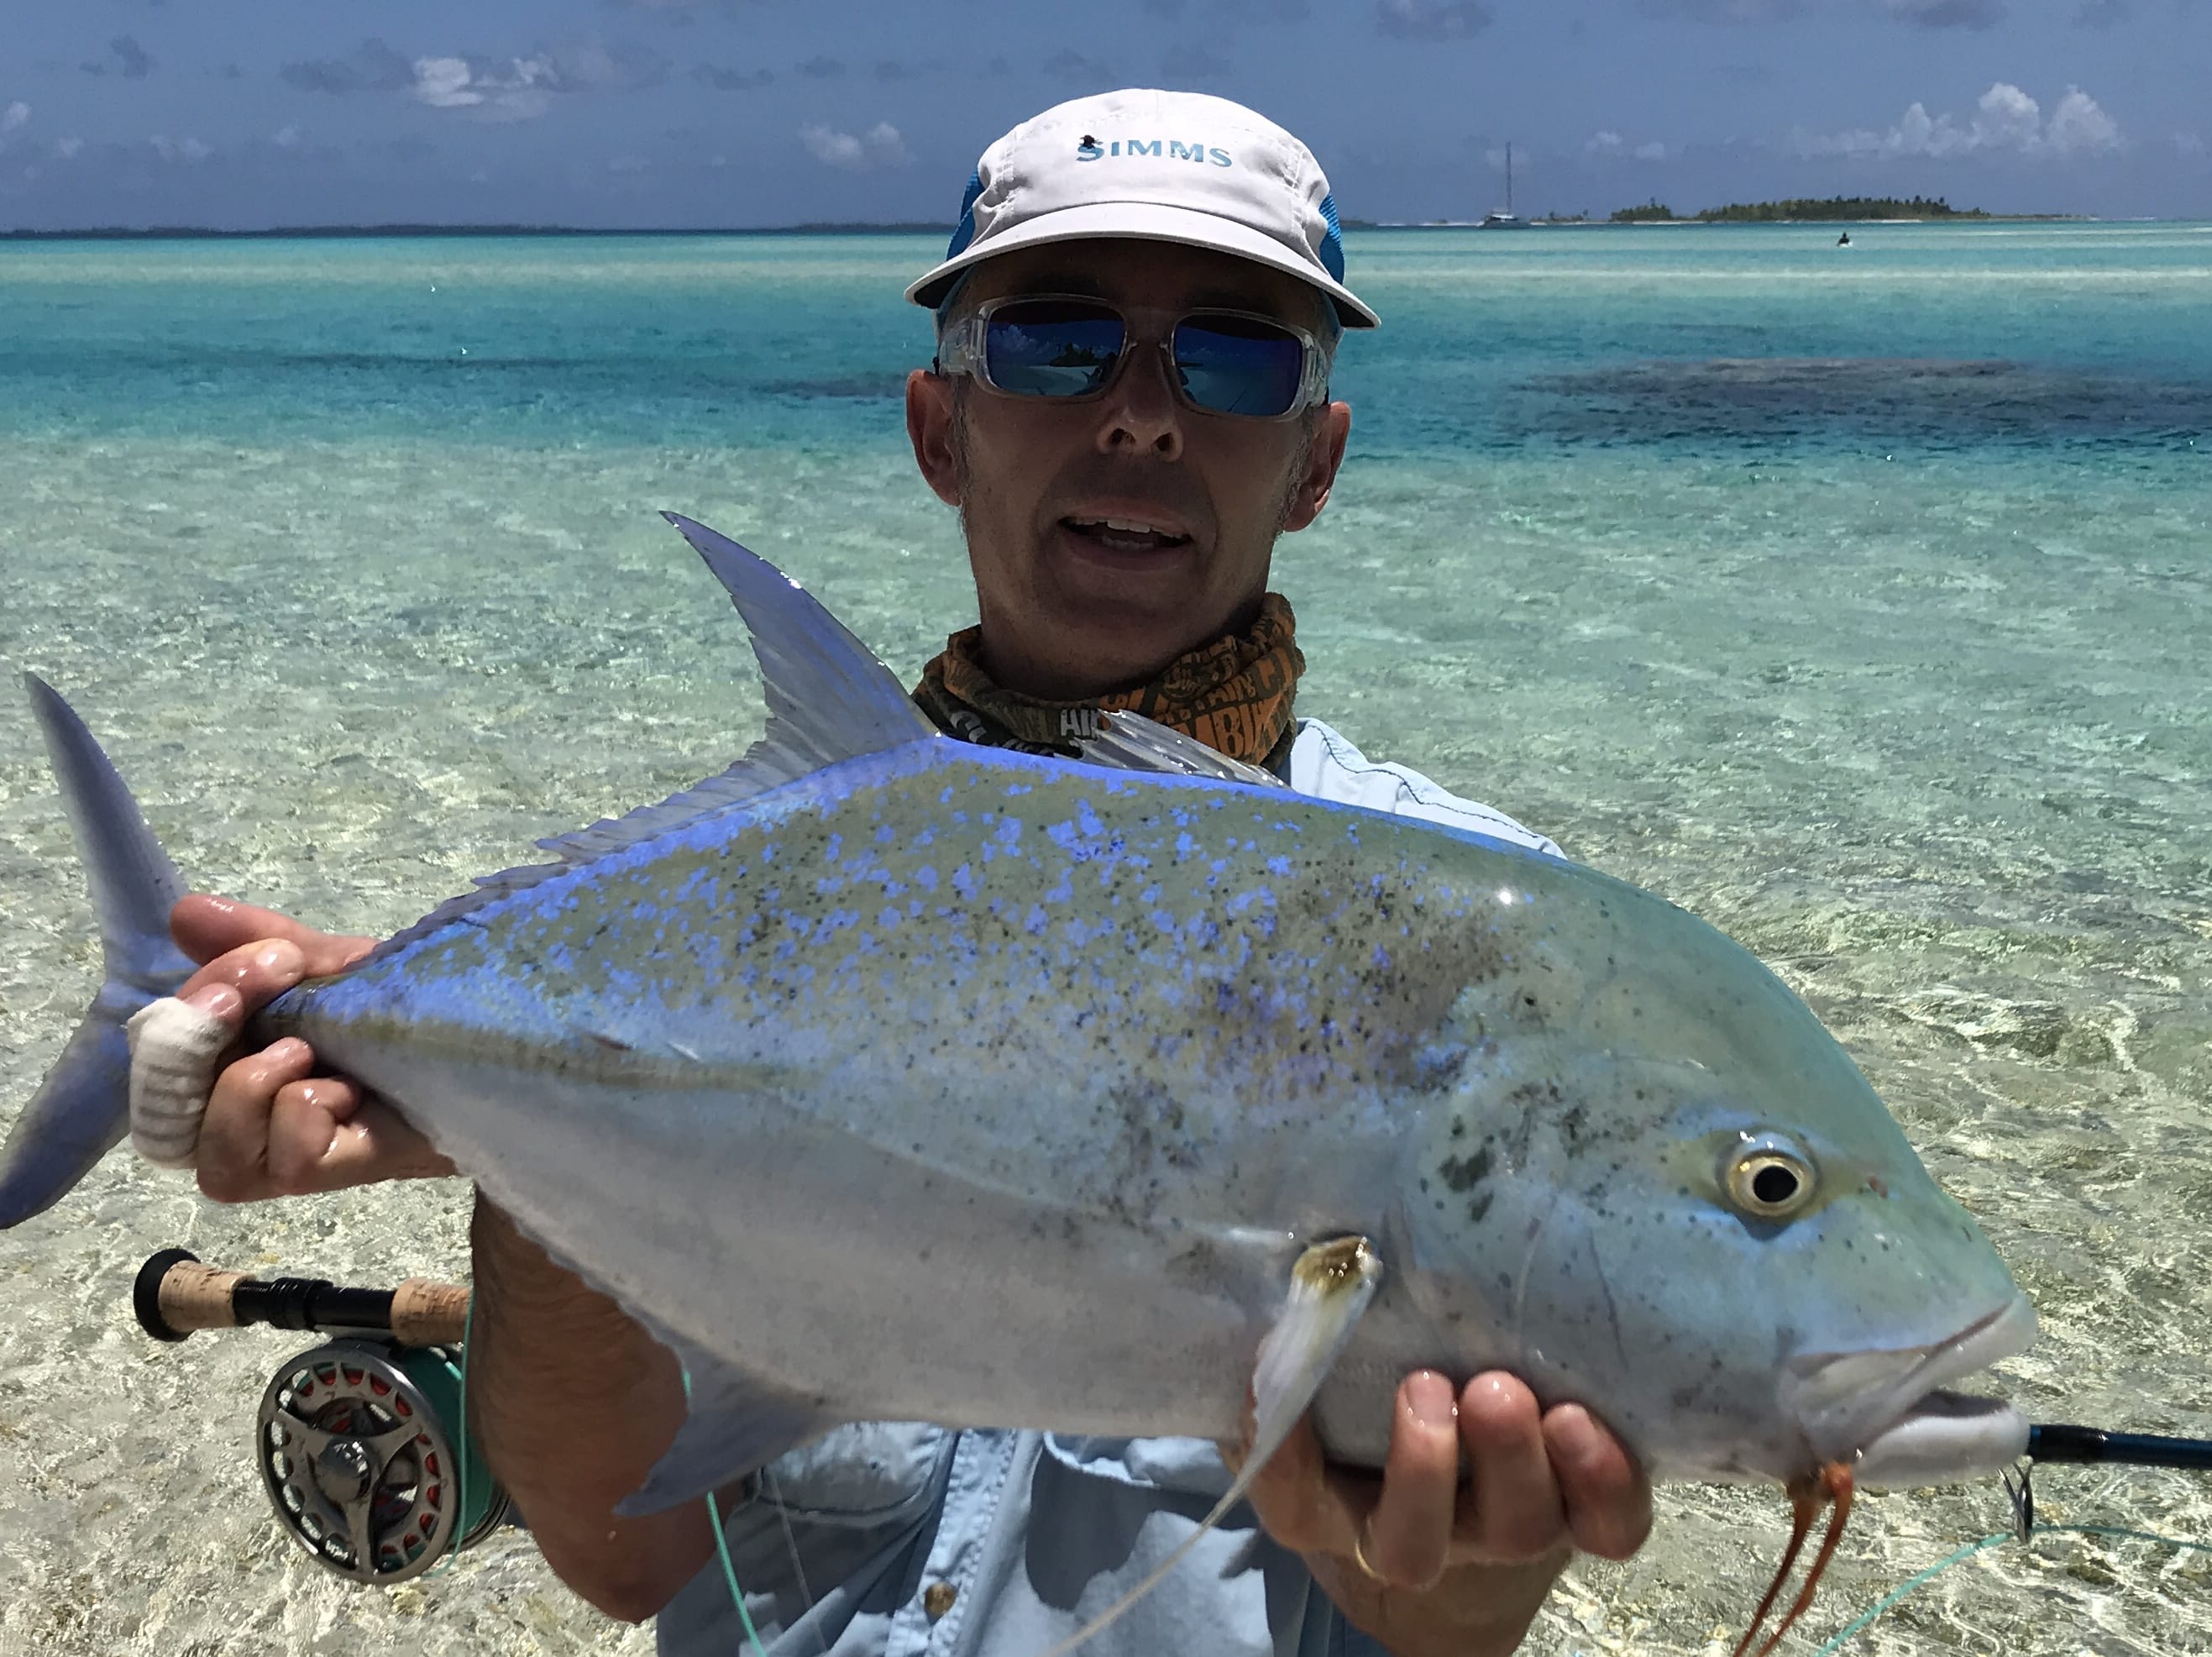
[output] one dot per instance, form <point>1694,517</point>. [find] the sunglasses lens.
<point>1051,348</point>
<point>1239,365</point>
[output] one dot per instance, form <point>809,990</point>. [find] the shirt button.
<point>937,1598</point>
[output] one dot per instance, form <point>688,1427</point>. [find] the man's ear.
<point>1324,457</point>
<point>929,417</point>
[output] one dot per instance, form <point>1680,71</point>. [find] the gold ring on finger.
<point>1359,1554</point>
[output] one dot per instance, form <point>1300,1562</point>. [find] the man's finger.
<point>233,1146</point>
<point>1607,1499</point>
<point>1517,1515</point>
<point>206,925</point>
<point>1409,1531</point>
<point>324,1136</point>
<point>260,970</point>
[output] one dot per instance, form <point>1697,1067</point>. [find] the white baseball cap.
<point>1177,167</point>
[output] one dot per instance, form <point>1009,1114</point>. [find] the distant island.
<point>1802,209</point>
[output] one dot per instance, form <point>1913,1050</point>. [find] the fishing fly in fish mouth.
<point>1088,1054</point>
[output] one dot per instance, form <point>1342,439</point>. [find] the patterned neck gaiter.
<point>1233,694</point>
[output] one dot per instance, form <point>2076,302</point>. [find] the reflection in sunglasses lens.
<point>1068,348</point>
<point>1235,365</point>
<point>1050,348</point>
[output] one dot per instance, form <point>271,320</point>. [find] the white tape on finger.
<point>173,1050</point>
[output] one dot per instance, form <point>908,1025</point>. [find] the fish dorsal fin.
<point>1137,743</point>
<point>1332,1286</point>
<point>828,699</point>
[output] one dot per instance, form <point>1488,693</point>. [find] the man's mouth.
<point>1126,535</point>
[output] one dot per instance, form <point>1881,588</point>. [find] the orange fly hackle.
<point>1833,1483</point>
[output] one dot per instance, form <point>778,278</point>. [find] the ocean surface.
<point>1858,599</point>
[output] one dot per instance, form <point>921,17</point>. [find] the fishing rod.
<point>175,1295</point>
<point>378,1505</point>
<point>2054,1441</point>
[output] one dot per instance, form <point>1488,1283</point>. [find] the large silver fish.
<point>885,1076</point>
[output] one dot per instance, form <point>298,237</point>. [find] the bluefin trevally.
<point>887,1077</point>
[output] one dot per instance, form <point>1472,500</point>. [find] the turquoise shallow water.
<point>1854,599</point>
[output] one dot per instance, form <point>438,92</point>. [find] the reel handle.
<point>175,1295</point>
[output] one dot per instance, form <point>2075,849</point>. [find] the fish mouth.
<point>1891,1414</point>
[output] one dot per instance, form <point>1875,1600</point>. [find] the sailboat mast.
<point>1509,178</point>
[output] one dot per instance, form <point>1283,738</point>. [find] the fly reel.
<point>361,1442</point>
<point>355,1452</point>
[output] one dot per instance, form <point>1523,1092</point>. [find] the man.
<point>1135,324</point>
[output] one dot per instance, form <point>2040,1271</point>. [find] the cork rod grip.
<point>196,1296</point>
<point>428,1313</point>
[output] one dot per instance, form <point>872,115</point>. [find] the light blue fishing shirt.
<point>918,1541</point>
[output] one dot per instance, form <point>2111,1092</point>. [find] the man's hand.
<point>1424,1563</point>
<point>272,1129</point>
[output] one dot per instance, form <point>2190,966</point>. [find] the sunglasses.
<point>1227,362</point>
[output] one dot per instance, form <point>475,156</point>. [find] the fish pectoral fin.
<point>1332,1286</point>
<point>735,1426</point>
<point>1136,744</point>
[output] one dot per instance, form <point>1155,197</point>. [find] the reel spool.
<point>354,1451</point>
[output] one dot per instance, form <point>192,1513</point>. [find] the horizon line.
<point>404,229</point>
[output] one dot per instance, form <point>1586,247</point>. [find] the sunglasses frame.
<point>963,348</point>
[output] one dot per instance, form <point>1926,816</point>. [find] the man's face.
<point>1071,606</point>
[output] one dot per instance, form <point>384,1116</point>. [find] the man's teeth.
<point>1125,526</point>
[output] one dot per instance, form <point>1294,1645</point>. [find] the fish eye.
<point>1770,1180</point>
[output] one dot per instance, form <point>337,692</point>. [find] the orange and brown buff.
<point>1234,695</point>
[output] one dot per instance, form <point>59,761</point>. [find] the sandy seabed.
<point>1952,785</point>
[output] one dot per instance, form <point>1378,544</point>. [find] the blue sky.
<point>609,113</point>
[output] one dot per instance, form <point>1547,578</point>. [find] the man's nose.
<point>1140,414</point>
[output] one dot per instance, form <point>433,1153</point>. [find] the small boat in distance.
<point>1506,220</point>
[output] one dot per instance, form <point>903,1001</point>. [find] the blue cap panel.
<point>964,232</point>
<point>1332,244</point>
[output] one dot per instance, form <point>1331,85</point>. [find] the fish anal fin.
<point>734,1426</point>
<point>1332,1286</point>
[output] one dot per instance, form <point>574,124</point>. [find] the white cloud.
<point>287,136</point>
<point>443,82</point>
<point>2005,120</point>
<point>68,148</point>
<point>833,147</point>
<point>15,116</point>
<point>883,145</point>
<point>519,92</point>
<point>1605,143</point>
<point>180,149</point>
<point>2078,127</point>
<point>1654,151</point>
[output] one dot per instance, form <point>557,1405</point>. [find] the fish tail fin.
<point>83,1107</point>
